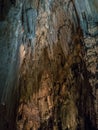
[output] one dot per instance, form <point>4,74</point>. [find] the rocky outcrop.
<point>49,86</point>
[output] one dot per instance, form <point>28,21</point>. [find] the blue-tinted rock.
<point>88,15</point>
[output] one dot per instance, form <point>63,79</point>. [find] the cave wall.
<point>4,8</point>
<point>47,83</point>
<point>10,41</point>
<point>88,15</point>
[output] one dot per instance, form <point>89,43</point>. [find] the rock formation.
<point>48,70</point>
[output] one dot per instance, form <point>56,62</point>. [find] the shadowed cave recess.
<point>48,64</point>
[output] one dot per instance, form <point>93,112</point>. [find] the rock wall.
<point>91,63</point>
<point>48,86</point>
<point>88,16</point>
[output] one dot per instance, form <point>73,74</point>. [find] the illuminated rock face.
<point>51,69</point>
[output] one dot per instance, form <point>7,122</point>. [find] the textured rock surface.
<point>88,15</point>
<point>51,73</point>
<point>91,63</point>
